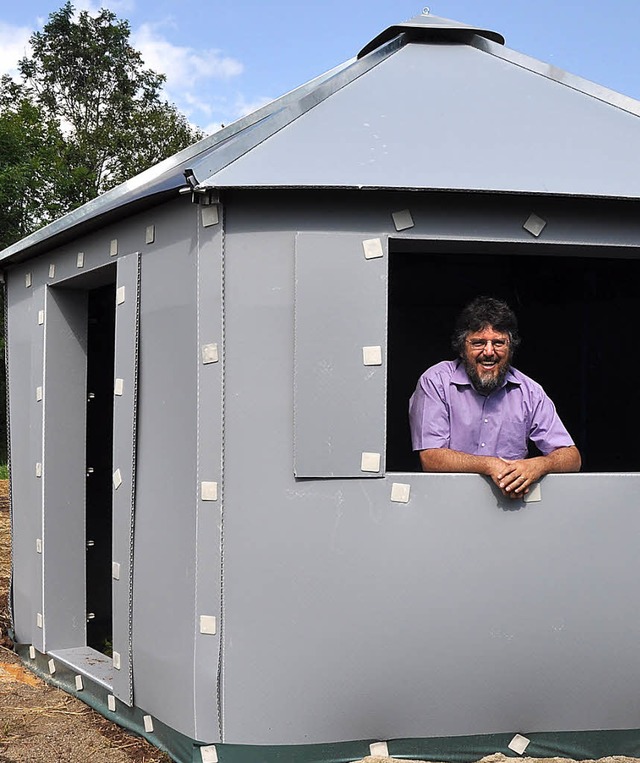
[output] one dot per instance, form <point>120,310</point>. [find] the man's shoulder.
<point>525,381</point>
<point>443,370</point>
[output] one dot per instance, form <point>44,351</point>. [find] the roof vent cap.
<point>428,28</point>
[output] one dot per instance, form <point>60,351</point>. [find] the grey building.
<point>221,537</point>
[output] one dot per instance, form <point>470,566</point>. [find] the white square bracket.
<point>379,750</point>
<point>52,667</point>
<point>117,479</point>
<point>115,570</point>
<point>27,280</point>
<point>208,625</point>
<point>209,491</point>
<point>52,270</point>
<point>372,248</point>
<point>209,754</point>
<point>534,225</point>
<point>150,234</point>
<point>148,723</point>
<point>534,494</point>
<point>113,247</point>
<point>519,744</point>
<point>40,317</point>
<point>370,462</point>
<point>111,702</point>
<point>118,387</point>
<point>117,664</point>
<point>32,652</point>
<point>80,260</point>
<point>209,353</point>
<point>402,219</point>
<point>120,295</point>
<point>372,356</point>
<point>400,492</point>
<point>79,684</point>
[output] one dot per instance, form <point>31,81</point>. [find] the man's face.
<point>486,363</point>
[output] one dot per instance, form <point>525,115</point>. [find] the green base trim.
<point>579,745</point>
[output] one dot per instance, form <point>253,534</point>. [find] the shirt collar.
<point>461,378</point>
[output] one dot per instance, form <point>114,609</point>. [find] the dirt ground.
<point>41,724</point>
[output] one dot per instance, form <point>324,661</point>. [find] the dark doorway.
<point>99,460</point>
<point>578,322</point>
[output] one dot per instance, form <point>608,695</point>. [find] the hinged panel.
<point>124,462</point>
<point>340,308</point>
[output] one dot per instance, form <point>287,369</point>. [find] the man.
<point>478,413</point>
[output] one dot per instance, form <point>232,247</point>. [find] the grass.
<point>4,471</point>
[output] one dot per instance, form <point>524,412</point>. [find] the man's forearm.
<point>445,460</point>
<point>565,459</point>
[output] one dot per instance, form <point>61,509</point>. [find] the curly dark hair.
<point>482,313</point>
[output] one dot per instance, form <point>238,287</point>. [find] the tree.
<point>33,177</point>
<point>85,75</point>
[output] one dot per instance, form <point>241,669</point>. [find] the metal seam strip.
<point>133,476</point>
<point>5,292</point>
<point>42,487</point>
<point>221,494</point>
<point>198,476</point>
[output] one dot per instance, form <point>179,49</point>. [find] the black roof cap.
<point>426,28</point>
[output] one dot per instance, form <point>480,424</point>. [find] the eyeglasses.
<point>480,344</point>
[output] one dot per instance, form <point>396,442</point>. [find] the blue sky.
<point>224,58</point>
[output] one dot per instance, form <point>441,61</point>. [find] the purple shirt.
<point>446,411</point>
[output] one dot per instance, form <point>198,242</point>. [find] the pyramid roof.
<point>429,104</point>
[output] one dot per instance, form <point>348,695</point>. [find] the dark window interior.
<point>578,317</point>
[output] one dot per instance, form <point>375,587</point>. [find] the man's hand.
<point>515,477</point>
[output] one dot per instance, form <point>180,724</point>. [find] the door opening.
<point>99,465</point>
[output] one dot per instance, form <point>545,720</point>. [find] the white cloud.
<point>93,7</point>
<point>14,45</point>
<point>183,66</point>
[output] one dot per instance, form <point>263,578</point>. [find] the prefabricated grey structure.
<point>220,532</point>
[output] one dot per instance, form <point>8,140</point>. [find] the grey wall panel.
<point>209,516</point>
<point>350,616</point>
<point>26,422</point>
<point>124,459</point>
<point>449,615</point>
<point>339,402</point>
<point>444,216</point>
<point>64,474</point>
<point>166,488</point>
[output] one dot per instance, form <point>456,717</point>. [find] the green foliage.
<point>33,180</point>
<point>85,75</point>
<point>4,472</point>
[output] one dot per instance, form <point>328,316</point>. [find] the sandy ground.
<point>41,724</point>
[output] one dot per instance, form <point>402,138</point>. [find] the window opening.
<point>577,313</point>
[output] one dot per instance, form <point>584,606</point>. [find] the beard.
<point>489,382</point>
